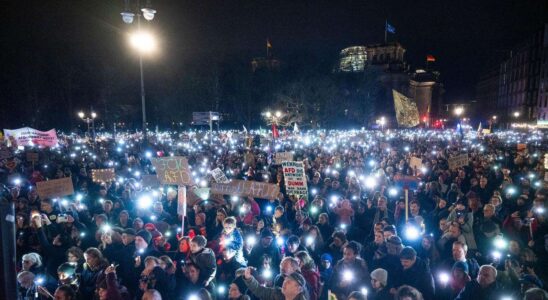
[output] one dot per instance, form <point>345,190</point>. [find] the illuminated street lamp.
<point>516,114</point>
<point>382,122</point>
<point>89,120</point>
<point>459,111</point>
<point>494,118</point>
<point>142,41</point>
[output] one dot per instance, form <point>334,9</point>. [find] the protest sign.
<point>283,156</point>
<point>150,181</point>
<point>173,170</point>
<point>219,176</point>
<point>415,163</point>
<point>30,137</point>
<point>254,189</point>
<point>5,154</point>
<point>458,161</point>
<point>32,157</point>
<point>103,175</point>
<point>55,188</point>
<point>406,182</point>
<point>295,179</point>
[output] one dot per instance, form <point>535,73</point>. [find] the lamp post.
<point>459,110</point>
<point>144,43</point>
<point>89,120</point>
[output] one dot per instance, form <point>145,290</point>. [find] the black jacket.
<point>419,277</point>
<point>473,291</point>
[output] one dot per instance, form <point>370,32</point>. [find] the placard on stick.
<point>55,188</point>
<point>173,170</point>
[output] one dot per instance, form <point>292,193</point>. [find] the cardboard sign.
<point>55,188</point>
<point>486,131</point>
<point>295,179</point>
<point>458,161</point>
<point>173,170</point>
<point>283,156</point>
<point>219,176</point>
<point>415,163</point>
<point>103,175</point>
<point>150,181</point>
<point>254,189</point>
<point>32,157</point>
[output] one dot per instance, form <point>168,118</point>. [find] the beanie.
<point>380,275</point>
<point>147,236</point>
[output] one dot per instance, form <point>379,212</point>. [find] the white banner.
<point>30,137</point>
<point>295,179</point>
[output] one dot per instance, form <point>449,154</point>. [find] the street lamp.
<point>494,118</point>
<point>516,114</point>
<point>459,111</point>
<point>89,120</point>
<point>382,122</point>
<point>144,43</point>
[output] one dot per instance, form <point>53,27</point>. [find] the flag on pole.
<point>430,58</point>
<point>245,129</point>
<point>479,128</point>
<point>390,28</point>
<point>275,133</point>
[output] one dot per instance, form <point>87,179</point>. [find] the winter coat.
<point>419,277</point>
<point>265,293</point>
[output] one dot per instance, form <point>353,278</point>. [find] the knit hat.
<point>327,256</point>
<point>129,231</point>
<point>408,253</point>
<point>145,235</point>
<point>298,278</point>
<point>461,265</point>
<point>380,275</point>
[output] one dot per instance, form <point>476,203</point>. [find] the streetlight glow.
<point>93,115</point>
<point>459,110</point>
<point>142,41</point>
<point>81,115</point>
<point>278,114</point>
<point>268,114</point>
<point>516,114</point>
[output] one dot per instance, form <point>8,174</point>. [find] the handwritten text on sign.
<point>295,179</point>
<point>458,161</point>
<point>55,188</point>
<point>254,189</point>
<point>173,170</point>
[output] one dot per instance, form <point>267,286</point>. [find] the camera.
<point>62,218</point>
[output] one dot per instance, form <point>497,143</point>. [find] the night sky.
<point>465,36</point>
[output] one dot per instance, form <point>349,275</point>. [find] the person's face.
<point>414,208</point>
<point>193,274</point>
<point>124,217</point>
<point>387,235</point>
<point>337,242</point>
<point>483,182</point>
<point>278,213</point>
<point>107,206</point>
<point>233,291</point>
<point>27,264</point>
<point>381,203</point>
<point>443,224</point>
<point>228,228</point>
<point>379,238</point>
<point>426,244</point>
<point>72,258</point>
<point>322,219</point>
<point>454,230</point>
<point>458,253</point>
<point>90,260</point>
<point>486,277</point>
<point>349,255</point>
<point>194,248</point>
<point>375,284</point>
<point>60,295</point>
<point>407,263</point>
<point>140,243</point>
<point>442,203</point>
<point>513,247</point>
<point>495,201</point>
<point>266,241</point>
<point>220,217</point>
<point>488,212</point>
<point>286,268</point>
<point>292,247</point>
<point>127,238</point>
<point>326,264</point>
<point>44,206</point>
<point>290,287</point>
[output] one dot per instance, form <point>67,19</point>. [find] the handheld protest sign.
<point>55,188</point>
<point>103,175</point>
<point>173,170</point>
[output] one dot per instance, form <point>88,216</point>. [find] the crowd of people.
<point>374,225</point>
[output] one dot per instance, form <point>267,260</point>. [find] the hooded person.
<point>379,280</point>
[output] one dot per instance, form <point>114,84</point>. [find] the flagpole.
<point>385,32</point>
